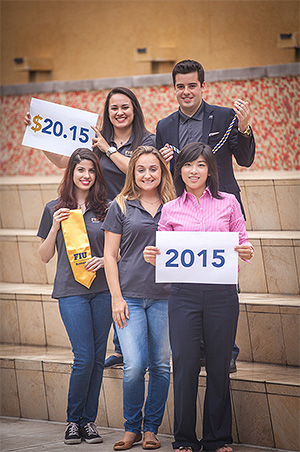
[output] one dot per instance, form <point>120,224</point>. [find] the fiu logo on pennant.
<point>81,258</point>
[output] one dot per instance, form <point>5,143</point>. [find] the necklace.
<point>151,203</point>
<point>122,141</point>
<point>80,205</point>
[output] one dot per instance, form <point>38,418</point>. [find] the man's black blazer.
<point>216,121</point>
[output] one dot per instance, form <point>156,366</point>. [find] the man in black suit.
<point>225,130</point>
<point>196,120</point>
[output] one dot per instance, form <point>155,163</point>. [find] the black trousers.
<point>208,312</point>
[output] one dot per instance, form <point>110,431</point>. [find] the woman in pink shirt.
<point>197,312</point>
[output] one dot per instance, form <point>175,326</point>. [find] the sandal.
<point>124,445</point>
<point>225,446</point>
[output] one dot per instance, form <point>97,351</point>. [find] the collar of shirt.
<point>136,203</point>
<point>187,195</point>
<point>198,116</point>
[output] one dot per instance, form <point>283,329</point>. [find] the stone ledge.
<point>266,397</point>
<point>31,317</point>
<point>280,70</point>
<point>240,176</point>
<point>27,234</point>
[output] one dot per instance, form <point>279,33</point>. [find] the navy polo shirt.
<point>64,283</point>
<point>114,177</point>
<point>137,229</point>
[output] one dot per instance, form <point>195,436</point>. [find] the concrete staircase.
<point>35,352</point>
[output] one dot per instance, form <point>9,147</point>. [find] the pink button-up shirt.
<point>209,214</point>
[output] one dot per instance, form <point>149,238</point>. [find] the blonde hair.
<point>132,191</point>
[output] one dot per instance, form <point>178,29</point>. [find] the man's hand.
<point>243,112</point>
<point>167,152</point>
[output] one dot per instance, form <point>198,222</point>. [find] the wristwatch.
<point>246,132</point>
<point>111,150</point>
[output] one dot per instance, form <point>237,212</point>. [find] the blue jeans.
<point>145,343</point>
<point>87,319</point>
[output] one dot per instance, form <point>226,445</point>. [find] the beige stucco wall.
<point>98,39</point>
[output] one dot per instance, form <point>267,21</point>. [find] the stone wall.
<point>274,102</point>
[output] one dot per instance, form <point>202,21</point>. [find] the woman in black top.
<point>86,313</point>
<point>122,131</point>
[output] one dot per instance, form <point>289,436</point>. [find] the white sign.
<point>197,257</point>
<point>57,128</point>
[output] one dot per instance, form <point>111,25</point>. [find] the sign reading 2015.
<point>197,257</point>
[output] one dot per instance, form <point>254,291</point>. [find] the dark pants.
<point>210,312</point>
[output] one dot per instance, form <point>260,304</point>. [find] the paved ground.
<point>43,436</point>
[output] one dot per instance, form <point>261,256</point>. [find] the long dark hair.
<point>189,153</point>
<point>96,198</point>
<point>138,123</point>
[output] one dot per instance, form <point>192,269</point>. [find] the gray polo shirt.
<point>114,177</point>
<point>64,283</point>
<point>191,127</point>
<point>137,228</point>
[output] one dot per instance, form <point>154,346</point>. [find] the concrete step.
<point>275,267</point>
<point>265,397</point>
<point>21,262</point>
<point>268,329</point>
<point>271,199</point>
<point>23,199</point>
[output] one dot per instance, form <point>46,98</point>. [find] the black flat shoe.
<point>113,361</point>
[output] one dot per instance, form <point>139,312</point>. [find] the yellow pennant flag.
<point>78,247</point>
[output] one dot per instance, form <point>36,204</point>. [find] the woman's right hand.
<point>120,312</point>
<point>27,119</point>
<point>59,216</point>
<point>150,253</point>
<point>99,142</point>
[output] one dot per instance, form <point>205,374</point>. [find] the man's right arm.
<point>159,143</point>
<point>164,148</point>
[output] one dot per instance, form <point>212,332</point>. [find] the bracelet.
<point>246,132</point>
<point>111,150</point>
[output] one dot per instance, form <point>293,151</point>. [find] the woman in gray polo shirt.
<point>123,130</point>
<point>140,307</point>
<point>86,313</point>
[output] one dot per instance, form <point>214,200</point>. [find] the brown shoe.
<point>151,444</point>
<point>124,445</point>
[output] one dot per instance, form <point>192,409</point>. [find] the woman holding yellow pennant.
<point>72,223</point>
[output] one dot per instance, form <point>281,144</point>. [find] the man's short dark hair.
<point>187,66</point>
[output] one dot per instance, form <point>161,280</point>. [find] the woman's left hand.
<point>99,142</point>
<point>245,252</point>
<point>93,264</point>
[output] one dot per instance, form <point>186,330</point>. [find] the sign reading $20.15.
<point>57,128</point>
